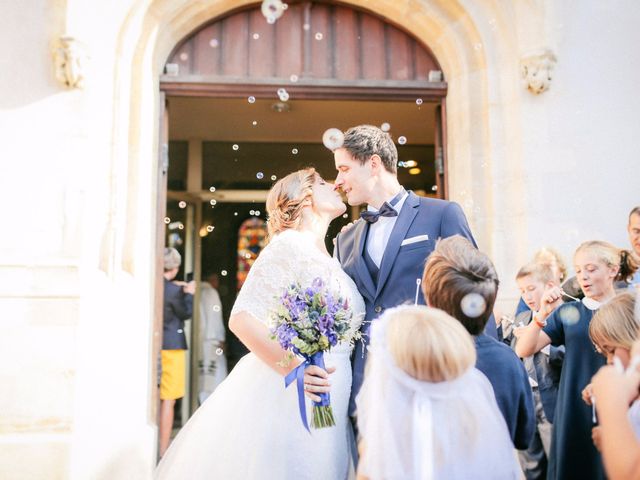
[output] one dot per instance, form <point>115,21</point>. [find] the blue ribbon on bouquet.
<point>297,373</point>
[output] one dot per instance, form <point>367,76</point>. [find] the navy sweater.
<point>510,383</point>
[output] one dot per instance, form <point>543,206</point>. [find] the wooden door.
<point>161,208</point>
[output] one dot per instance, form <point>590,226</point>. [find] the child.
<point>424,412</point>
<point>614,330</point>
<point>458,279</point>
<point>543,368</point>
<point>598,265</point>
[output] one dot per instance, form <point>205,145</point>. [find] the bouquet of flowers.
<point>308,322</point>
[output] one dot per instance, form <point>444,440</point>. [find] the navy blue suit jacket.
<point>401,266</point>
<point>510,383</point>
<point>178,307</point>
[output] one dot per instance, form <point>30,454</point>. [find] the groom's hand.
<point>316,380</point>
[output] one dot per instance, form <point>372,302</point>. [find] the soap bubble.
<point>213,201</point>
<point>256,36</point>
<point>385,127</point>
<point>180,226</point>
<point>182,204</point>
<point>306,26</point>
<point>167,220</point>
<point>210,228</point>
<point>346,215</point>
<point>272,10</point>
<point>212,189</point>
<point>477,46</point>
<point>223,273</point>
<point>216,308</point>
<point>473,305</point>
<point>213,43</point>
<point>333,138</point>
<point>235,214</point>
<point>219,351</point>
<point>294,151</point>
<point>252,212</point>
<point>251,99</point>
<point>274,178</point>
<point>235,146</point>
<point>319,36</point>
<point>257,213</point>
<point>418,101</point>
<point>259,175</point>
<point>434,188</point>
<point>184,56</point>
<point>402,140</point>
<point>283,95</point>
<point>254,123</point>
<point>293,78</point>
<point>569,315</point>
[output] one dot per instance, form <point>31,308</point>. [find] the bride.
<point>250,427</point>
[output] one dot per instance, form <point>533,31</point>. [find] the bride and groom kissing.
<point>249,427</point>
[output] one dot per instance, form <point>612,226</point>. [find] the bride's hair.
<point>287,198</point>
<point>429,345</point>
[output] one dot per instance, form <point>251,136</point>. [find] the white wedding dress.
<point>250,427</point>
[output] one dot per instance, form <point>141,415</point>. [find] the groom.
<point>385,251</point>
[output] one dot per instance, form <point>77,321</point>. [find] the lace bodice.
<point>290,257</point>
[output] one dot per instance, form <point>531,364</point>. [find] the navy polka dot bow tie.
<point>385,211</point>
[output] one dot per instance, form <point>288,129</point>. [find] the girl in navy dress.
<point>598,265</point>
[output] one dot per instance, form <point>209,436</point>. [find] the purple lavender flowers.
<point>308,322</point>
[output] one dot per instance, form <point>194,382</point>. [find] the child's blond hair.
<point>428,344</point>
<point>540,272</point>
<point>615,323</point>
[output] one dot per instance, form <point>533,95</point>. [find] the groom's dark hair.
<point>364,141</point>
<point>455,274</point>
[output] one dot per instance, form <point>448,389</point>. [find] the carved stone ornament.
<point>536,70</point>
<point>70,60</point>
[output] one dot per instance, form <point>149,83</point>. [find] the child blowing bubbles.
<point>543,368</point>
<point>614,332</point>
<point>598,265</point>
<point>424,411</point>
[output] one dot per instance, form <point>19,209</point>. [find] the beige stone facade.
<point>543,142</point>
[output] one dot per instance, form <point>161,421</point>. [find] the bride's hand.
<point>316,380</point>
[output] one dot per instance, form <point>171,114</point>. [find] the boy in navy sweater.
<point>544,368</point>
<point>463,282</point>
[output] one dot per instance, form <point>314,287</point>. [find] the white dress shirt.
<point>379,232</point>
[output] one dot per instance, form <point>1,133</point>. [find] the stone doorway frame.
<point>483,122</point>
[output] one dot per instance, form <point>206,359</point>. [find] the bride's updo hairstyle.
<point>287,198</point>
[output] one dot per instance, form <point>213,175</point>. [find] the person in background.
<point>550,257</point>
<point>543,368</point>
<point>212,360</point>
<point>633,228</point>
<point>463,282</point>
<point>614,331</point>
<point>178,307</point>
<point>598,265</point>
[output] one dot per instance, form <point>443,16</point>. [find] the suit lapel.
<point>360,236</point>
<point>399,232</point>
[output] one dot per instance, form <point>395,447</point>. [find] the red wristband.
<point>539,323</point>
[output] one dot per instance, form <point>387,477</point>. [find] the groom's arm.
<point>454,222</point>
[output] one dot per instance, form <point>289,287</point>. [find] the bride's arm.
<point>255,335</point>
